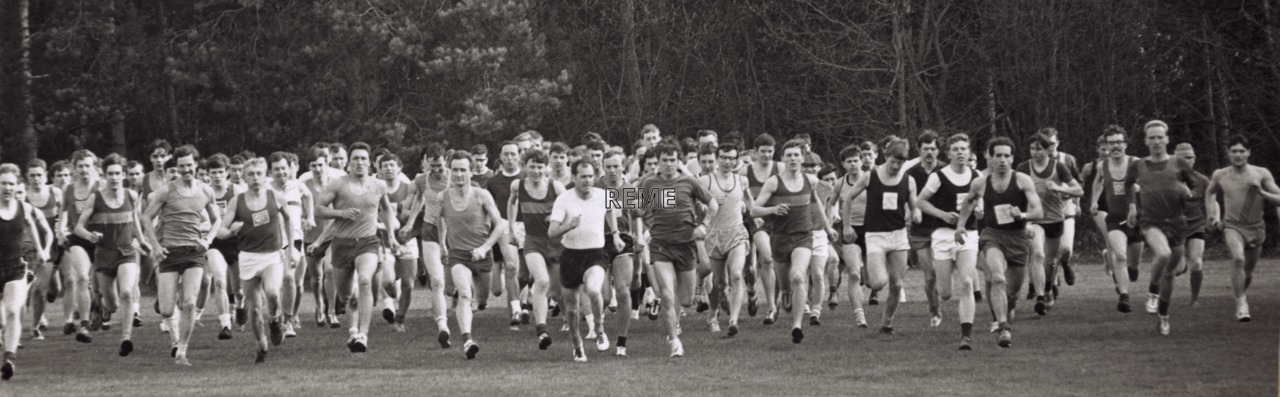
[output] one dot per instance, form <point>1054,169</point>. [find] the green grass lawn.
<point>1083,347</point>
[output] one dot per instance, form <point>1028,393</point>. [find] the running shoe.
<point>554,308</point>
<point>813,320</point>
<point>471,349</point>
<point>1153,303</point>
<point>544,341</point>
<point>289,331</point>
<point>242,316</point>
<point>6,370</point>
<point>677,349</point>
<point>137,320</point>
<point>524,316</point>
<point>579,356</point>
<point>872,301</point>
<point>36,334</point>
<point>860,318</point>
<point>1040,308</point>
<point>1163,326</point>
<point>935,321</point>
<point>443,339</point>
<point>277,333</point>
<point>771,318</point>
<point>1068,274</point>
<point>515,322</point>
<point>622,347</point>
<point>1123,304</point>
<point>333,321</point>
<point>1133,274</point>
<point>966,343</point>
<point>797,335</point>
<point>1006,338</point>
<point>752,308</point>
<point>831,299</point>
<point>995,327</point>
<point>83,336</point>
<point>733,330</point>
<point>653,309</point>
<point>886,331</point>
<point>714,326</point>
<point>261,357</point>
<point>358,344</point>
<point>389,315</point>
<point>602,342</point>
<point>321,319</point>
<point>1242,312</point>
<point>173,351</point>
<point>182,360</point>
<point>126,347</point>
<point>225,334</point>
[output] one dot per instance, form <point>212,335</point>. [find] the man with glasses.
<point>1124,240</point>
<point>727,240</point>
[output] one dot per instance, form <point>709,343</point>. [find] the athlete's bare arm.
<point>1034,210</point>
<point>1212,212</point>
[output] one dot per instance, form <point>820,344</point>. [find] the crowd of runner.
<point>249,237</point>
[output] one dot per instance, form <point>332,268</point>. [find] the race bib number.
<point>1117,188</point>
<point>890,202</point>
<point>261,218</point>
<point>960,200</point>
<point>1005,214</point>
<point>82,206</point>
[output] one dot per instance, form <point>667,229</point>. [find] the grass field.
<point>1083,347</point>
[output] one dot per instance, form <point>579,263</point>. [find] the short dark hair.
<point>705,149</point>
<point>896,148</point>
<point>595,145</point>
<point>850,151</point>
<point>133,163</point>
<point>827,170</point>
<point>389,156</point>
<point>534,155</point>
<point>559,147</point>
<point>727,147</point>
<point>702,133</point>
<point>589,137</point>
<point>160,144</point>
<point>479,149</point>
<point>360,146</point>
<point>460,155</point>
<point>804,136</point>
<point>1000,141</point>
<point>59,166</point>
<point>689,145</point>
<point>276,157</point>
<point>794,143</point>
<point>1115,130</point>
<point>1237,139</point>
<point>336,146</point>
<point>215,163</point>
<point>114,159</point>
<point>433,150</point>
<point>869,146</point>
<point>318,153</point>
<point>577,166</point>
<point>764,140</point>
<point>926,137</point>
<point>238,159</point>
<point>1049,132</point>
<point>35,163</point>
<point>957,138</point>
<point>1038,139</point>
<point>664,148</point>
<point>186,150</point>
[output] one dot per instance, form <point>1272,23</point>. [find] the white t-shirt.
<point>590,232</point>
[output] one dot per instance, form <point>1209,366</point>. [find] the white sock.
<point>443,324</point>
<point>389,303</point>
<point>515,307</point>
<point>224,320</point>
<point>136,306</point>
<point>591,323</point>
<point>182,350</point>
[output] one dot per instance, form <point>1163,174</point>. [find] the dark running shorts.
<point>429,233</point>
<point>108,261</point>
<point>319,252</point>
<point>1052,230</point>
<point>1015,245</point>
<point>1174,230</point>
<point>463,257</point>
<point>628,246</point>
<point>575,263</point>
<point>13,271</point>
<point>784,243</point>
<point>76,241</point>
<point>346,250</point>
<point>549,249</point>
<point>681,256</point>
<point>180,259</point>
<point>1113,224</point>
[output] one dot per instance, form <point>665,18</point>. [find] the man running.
<point>531,202</point>
<point>507,254</point>
<point>1066,244</point>
<point>941,198</point>
<point>1166,182</point>
<point>890,197</point>
<point>727,240</point>
<point>181,247</point>
<point>787,198</point>
<point>259,216</point>
<point>428,188</point>
<point>47,199</point>
<point>298,206</point>
<point>1123,238</point>
<point>224,253</point>
<point>472,226</point>
<point>359,200</point>
<point>1243,188</point>
<point>1009,200</point>
<point>757,172</point>
<point>16,217</point>
<point>577,219</point>
<point>852,220</point>
<point>672,232</point>
<point>399,267</point>
<point>625,268</point>
<point>921,233</point>
<point>321,271</point>
<point>1197,222</point>
<point>1056,187</point>
<point>76,261</point>
<point>112,223</point>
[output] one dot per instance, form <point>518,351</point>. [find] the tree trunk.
<point>899,64</point>
<point>170,98</point>
<point>631,67</point>
<point>26,117</point>
<point>119,143</point>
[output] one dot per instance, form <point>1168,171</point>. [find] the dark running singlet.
<point>11,242</point>
<point>798,218</point>
<point>994,201</point>
<point>886,205</point>
<point>51,208</point>
<point>77,204</point>
<point>951,196</point>
<point>115,224</point>
<point>261,230</point>
<point>231,243</point>
<point>753,183</point>
<point>534,211</point>
<point>1114,193</point>
<point>499,186</point>
<point>1162,182</point>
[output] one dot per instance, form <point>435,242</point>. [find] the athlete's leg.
<point>537,266</point>
<point>1236,246</point>
<point>366,265</point>
<point>15,296</point>
<point>191,279</point>
<point>1119,246</point>
<point>715,269</point>
<point>109,298</point>
<point>816,283</point>
<point>945,271</point>
<point>897,269</point>
<point>852,254</point>
<point>254,303</point>
<point>287,293</point>
<point>998,294</point>
<point>573,309</point>
<point>408,271</point>
<point>216,272</point>
<point>734,263</point>
<point>877,271</point>
<point>42,287</point>
<point>965,270</point>
<point>1036,263</point>
<point>765,269</point>
<point>623,275</point>
<point>593,284</point>
<point>1195,261</point>
<point>436,278</point>
<point>1167,257</point>
<point>75,268</point>
<point>386,283</point>
<point>924,258</point>
<point>665,274</point>
<point>1066,247</point>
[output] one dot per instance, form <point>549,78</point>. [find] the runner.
<point>1243,188</point>
<point>1057,187</point>
<point>672,231</point>
<point>759,170</point>
<point>822,261</point>
<point>114,218</point>
<point>954,260</point>
<point>1066,244</point>
<point>920,232</point>
<point>262,262</point>
<point>221,273</point>
<point>1009,200</point>
<point>542,253</point>
<point>787,198</point>
<point>16,217</point>
<point>181,246</point>
<point>1197,225</point>
<point>577,219</point>
<point>507,254</point>
<point>1124,240</point>
<point>727,240</point>
<point>1166,182</point>
<point>428,189</point>
<point>298,203</point>
<point>559,163</point>
<point>890,197</point>
<point>320,278</point>
<point>469,236</point>
<point>359,202</point>
<point>76,262</point>
<point>852,217</point>
<point>47,199</point>
<point>1099,217</point>
<point>625,269</point>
